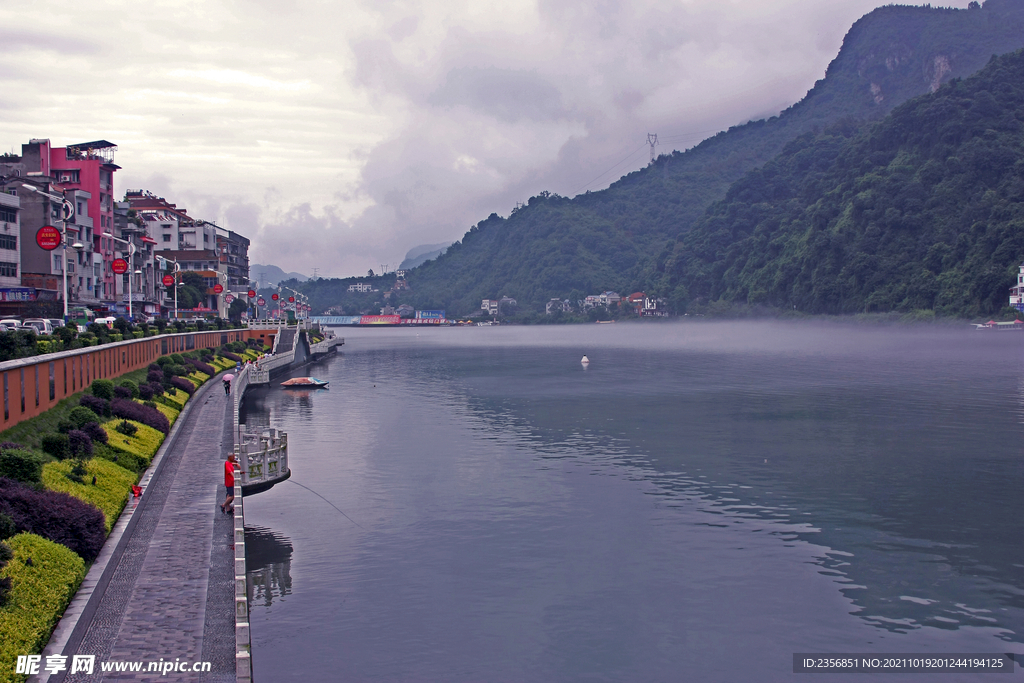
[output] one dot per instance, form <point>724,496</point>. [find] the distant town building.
<point>489,306</point>
<point>654,308</point>
<point>405,311</point>
<point>361,287</point>
<point>557,305</point>
<point>1017,291</point>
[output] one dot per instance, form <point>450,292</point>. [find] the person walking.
<point>227,387</point>
<point>229,483</point>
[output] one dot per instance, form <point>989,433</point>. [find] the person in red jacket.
<point>229,483</point>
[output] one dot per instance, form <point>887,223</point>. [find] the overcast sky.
<point>340,135</point>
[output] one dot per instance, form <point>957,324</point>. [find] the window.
<point>56,261</point>
<point>167,238</point>
<point>8,214</point>
<point>8,242</point>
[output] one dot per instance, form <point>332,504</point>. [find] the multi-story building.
<point>234,254</point>
<point>84,175</point>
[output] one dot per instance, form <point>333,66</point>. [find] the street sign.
<point>261,301</point>
<point>252,293</point>
<point>275,297</point>
<point>67,211</point>
<point>119,266</point>
<point>168,280</point>
<point>48,238</point>
<point>229,298</point>
<point>218,288</point>
<point>291,299</point>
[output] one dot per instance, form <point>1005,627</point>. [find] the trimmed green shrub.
<point>177,359</point>
<point>56,445</point>
<point>102,388</point>
<point>127,428</point>
<point>122,458</point>
<point>21,465</point>
<point>128,384</point>
<point>6,527</point>
<point>40,592</point>
<point>82,416</point>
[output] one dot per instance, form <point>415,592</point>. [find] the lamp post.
<point>131,272</point>
<point>67,213</point>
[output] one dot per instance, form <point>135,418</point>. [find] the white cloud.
<point>339,136</point>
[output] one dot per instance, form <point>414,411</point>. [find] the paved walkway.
<point>167,589</point>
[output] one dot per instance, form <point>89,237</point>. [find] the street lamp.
<point>131,253</point>
<point>67,211</point>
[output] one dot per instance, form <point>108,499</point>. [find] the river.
<point>702,501</point>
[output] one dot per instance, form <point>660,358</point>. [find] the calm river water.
<point>701,502</point>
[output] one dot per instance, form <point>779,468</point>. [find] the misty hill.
<point>422,254</point>
<point>921,211</point>
<point>272,274</point>
<point>622,237</point>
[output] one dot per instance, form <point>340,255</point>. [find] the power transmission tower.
<point>315,274</point>
<point>652,140</point>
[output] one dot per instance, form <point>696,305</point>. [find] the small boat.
<point>305,382</point>
<point>585,360</point>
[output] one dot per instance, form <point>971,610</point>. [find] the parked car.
<point>56,322</point>
<point>11,322</point>
<point>41,325</point>
<point>109,322</point>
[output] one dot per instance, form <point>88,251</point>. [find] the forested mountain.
<point>623,237</point>
<point>921,211</point>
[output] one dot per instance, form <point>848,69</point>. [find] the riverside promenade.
<point>163,586</point>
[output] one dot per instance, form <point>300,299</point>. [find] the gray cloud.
<point>339,136</point>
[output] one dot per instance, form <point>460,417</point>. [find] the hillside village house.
<point>1017,291</point>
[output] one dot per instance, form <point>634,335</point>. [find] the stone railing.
<point>325,346</point>
<point>263,457</point>
<point>243,639</point>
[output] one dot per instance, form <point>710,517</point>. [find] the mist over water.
<point>702,501</point>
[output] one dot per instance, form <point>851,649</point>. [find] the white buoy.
<point>585,361</point>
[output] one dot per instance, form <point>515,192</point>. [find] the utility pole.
<point>652,140</point>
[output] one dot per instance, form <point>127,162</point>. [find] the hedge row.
<point>109,492</point>
<point>44,577</point>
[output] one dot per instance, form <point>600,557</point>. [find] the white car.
<point>42,325</point>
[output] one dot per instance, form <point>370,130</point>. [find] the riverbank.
<point>69,472</point>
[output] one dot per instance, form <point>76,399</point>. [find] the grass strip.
<point>144,443</point>
<point>109,493</point>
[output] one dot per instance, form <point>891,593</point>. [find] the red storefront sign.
<point>48,237</point>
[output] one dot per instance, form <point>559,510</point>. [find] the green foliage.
<point>623,238</point>
<point>919,212</point>
<point>18,344</point>
<point>131,386</point>
<point>109,493</point>
<point>41,590</point>
<point>57,445</point>
<point>81,416</point>
<point>21,465</point>
<point>127,428</point>
<point>103,388</point>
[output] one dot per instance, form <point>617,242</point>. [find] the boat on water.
<point>305,383</point>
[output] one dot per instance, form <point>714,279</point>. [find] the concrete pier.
<point>163,587</point>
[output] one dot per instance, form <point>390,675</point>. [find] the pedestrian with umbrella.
<point>227,383</point>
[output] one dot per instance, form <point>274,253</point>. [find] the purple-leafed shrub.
<point>231,356</point>
<point>95,432</point>
<point>130,410</point>
<point>153,367</point>
<point>157,387</point>
<point>205,368</point>
<point>80,444</point>
<point>145,392</point>
<point>183,384</point>
<point>122,392</point>
<point>9,445</point>
<point>95,404</point>
<point>58,517</point>
<point>155,376</point>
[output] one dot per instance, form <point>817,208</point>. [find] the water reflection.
<point>268,560</point>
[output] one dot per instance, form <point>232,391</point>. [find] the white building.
<point>1017,291</point>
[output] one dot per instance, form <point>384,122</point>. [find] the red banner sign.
<point>218,288</point>
<point>229,298</point>
<point>168,280</point>
<point>252,293</point>
<point>48,237</point>
<point>291,299</point>
<point>275,297</point>
<point>261,301</point>
<point>119,266</point>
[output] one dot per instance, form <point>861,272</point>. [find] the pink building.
<point>87,166</point>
